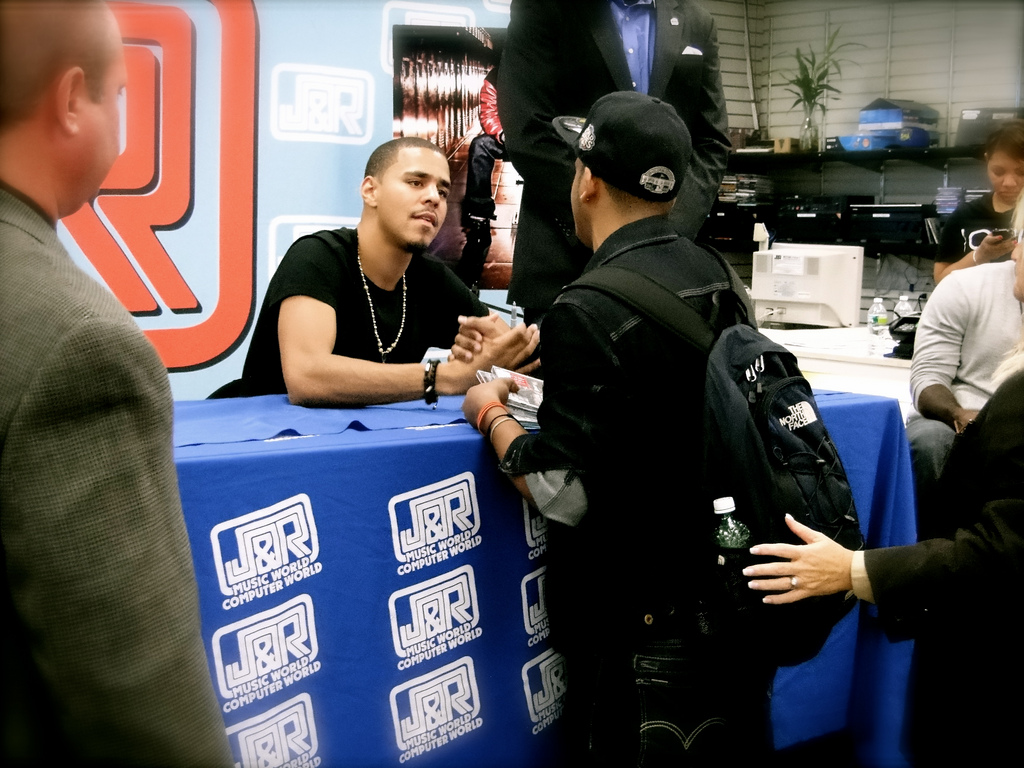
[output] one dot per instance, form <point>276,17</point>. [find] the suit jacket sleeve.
<point>919,583</point>
<point>528,85</point>
<point>98,558</point>
<point>709,127</point>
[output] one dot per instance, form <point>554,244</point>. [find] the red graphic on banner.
<point>150,187</point>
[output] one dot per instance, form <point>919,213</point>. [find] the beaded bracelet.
<point>430,382</point>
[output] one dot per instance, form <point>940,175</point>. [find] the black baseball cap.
<point>632,141</point>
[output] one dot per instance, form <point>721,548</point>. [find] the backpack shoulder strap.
<point>653,300</point>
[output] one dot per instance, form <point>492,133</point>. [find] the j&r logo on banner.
<point>435,709</point>
<point>418,14</point>
<point>173,239</point>
<point>265,653</point>
<point>536,531</point>
<point>433,523</point>
<point>535,606</point>
<point>435,616</point>
<point>265,551</point>
<point>315,103</point>
<point>284,735</point>
<point>544,683</point>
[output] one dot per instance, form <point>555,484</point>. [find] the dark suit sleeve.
<point>98,558</point>
<point>922,582</point>
<point>709,127</point>
<point>528,98</point>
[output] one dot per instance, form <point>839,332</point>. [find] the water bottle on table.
<point>878,318</point>
<point>903,307</point>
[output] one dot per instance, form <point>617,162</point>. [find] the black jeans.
<point>484,150</point>
<point>666,704</point>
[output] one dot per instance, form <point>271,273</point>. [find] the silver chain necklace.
<point>373,315</point>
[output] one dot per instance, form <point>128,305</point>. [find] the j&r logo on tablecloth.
<point>284,735</point>
<point>535,607</point>
<point>433,710</point>
<point>544,683</point>
<point>435,616</point>
<point>266,653</point>
<point>536,531</point>
<point>435,522</point>
<point>262,552</point>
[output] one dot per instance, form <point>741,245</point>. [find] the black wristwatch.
<point>430,382</point>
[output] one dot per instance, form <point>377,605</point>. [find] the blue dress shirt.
<point>637,26</point>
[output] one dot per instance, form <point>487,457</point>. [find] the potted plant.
<point>809,83</point>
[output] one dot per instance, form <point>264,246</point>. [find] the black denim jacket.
<point>616,462</point>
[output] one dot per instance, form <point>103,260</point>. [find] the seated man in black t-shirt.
<point>349,313</point>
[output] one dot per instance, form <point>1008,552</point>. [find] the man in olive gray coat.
<point>103,663</point>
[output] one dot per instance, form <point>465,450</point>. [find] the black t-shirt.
<point>967,226</point>
<point>323,266</point>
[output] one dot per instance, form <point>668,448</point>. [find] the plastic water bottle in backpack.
<point>731,533</point>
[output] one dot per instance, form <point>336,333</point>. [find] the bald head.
<point>62,69</point>
<point>39,40</point>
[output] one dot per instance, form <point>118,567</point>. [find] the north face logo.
<point>800,415</point>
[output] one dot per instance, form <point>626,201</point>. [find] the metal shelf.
<point>873,159</point>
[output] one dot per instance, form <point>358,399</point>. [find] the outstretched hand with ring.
<point>818,567</point>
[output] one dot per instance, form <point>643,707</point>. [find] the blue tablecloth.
<point>371,588</point>
<point>866,674</point>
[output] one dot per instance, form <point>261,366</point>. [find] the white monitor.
<point>808,284</point>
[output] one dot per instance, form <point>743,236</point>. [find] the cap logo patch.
<point>659,180</point>
<point>587,139</point>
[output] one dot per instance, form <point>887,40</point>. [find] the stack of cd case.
<point>524,402</point>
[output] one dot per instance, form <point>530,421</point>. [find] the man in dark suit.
<point>103,662</point>
<point>560,56</point>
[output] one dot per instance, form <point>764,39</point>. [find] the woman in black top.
<point>966,239</point>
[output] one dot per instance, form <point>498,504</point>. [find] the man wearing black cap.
<point>615,470</point>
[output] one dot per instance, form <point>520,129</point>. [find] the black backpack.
<point>767,447</point>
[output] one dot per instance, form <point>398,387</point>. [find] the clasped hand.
<point>489,340</point>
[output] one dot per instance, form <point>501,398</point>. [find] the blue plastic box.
<point>894,114</point>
